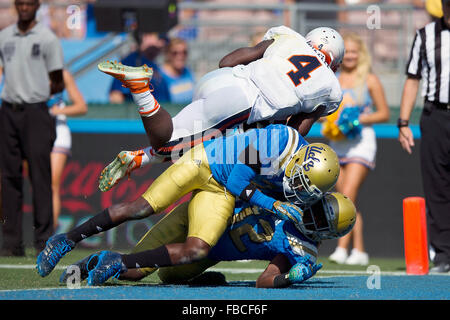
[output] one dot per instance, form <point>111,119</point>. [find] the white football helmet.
<point>330,43</point>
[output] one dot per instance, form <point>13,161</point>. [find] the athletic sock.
<point>154,258</point>
<point>151,157</point>
<point>99,223</point>
<point>146,102</point>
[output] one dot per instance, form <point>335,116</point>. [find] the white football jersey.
<point>292,77</point>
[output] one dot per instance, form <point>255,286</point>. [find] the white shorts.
<point>63,141</point>
<point>222,101</point>
<point>361,150</point>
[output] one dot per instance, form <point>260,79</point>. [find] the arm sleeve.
<point>282,280</point>
<point>261,156</point>
<point>239,184</point>
<point>414,66</point>
<point>54,58</point>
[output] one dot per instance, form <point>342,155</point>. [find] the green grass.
<point>21,276</point>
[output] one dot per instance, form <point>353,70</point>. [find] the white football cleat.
<point>137,79</point>
<point>123,164</point>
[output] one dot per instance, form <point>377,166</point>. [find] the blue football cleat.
<point>109,265</point>
<point>55,248</point>
<point>84,266</point>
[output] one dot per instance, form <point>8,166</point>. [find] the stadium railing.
<point>213,29</point>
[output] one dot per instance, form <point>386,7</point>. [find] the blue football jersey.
<point>247,164</point>
<point>256,234</point>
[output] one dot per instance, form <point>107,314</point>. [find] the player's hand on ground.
<point>303,270</point>
<point>123,164</point>
<point>288,211</point>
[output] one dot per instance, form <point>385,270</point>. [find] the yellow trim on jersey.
<point>293,140</point>
<point>279,163</point>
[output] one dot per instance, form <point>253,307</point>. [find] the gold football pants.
<point>172,228</point>
<point>210,208</point>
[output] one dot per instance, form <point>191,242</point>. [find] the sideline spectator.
<point>31,60</point>
<point>355,142</point>
<point>63,143</point>
<point>178,77</point>
<point>186,32</point>
<point>429,59</point>
<point>149,47</point>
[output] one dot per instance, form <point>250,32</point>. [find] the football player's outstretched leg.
<point>55,248</point>
<point>59,245</point>
<point>157,121</point>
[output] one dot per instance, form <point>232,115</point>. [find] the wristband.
<point>402,123</point>
<point>282,281</point>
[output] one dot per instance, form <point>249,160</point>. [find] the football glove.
<point>288,211</point>
<point>303,270</point>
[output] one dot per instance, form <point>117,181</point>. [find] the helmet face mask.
<point>300,190</point>
<point>317,219</point>
<point>333,216</point>
<point>312,171</point>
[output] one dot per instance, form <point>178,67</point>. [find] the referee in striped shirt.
<point>430,61</point>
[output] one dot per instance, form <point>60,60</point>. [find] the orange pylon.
<point>415,236</point>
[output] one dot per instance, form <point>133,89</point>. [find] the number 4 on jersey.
<point>305,65</point>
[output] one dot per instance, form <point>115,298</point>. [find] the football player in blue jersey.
<point>253,233</point>
<point>275,159</point>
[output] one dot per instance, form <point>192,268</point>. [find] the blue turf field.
<point>430,287</point>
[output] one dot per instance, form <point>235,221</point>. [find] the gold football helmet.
<point>333,216</point>
<point>312,171</point>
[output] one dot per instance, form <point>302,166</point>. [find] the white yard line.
<point>25,266</point>
<point>240,270</point>
<point>356,272</point>
<point>343,272</point>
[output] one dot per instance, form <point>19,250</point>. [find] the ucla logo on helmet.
<point>310,154</point>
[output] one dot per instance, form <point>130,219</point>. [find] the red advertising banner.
<point>81,198</point>
<point>396,176</point>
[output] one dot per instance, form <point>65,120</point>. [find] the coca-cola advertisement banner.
<point>396,176</point>
<point>81,198</point>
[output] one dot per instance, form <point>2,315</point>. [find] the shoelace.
<point>89,262</point>
<point>113,272</point>
<point>57,252</point>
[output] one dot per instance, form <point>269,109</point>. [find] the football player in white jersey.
<point>286,78</point>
